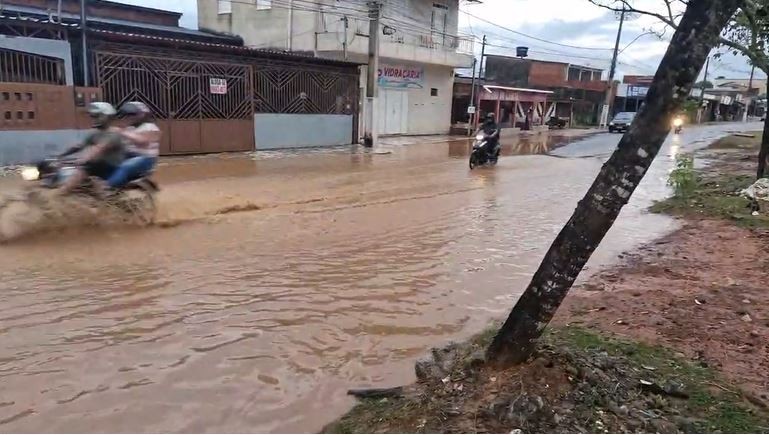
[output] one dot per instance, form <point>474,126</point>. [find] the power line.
<point>533,37</point>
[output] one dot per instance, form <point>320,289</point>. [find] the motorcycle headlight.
<point>479,137</point>
<point>30,174</point>
<point>678,122</point>
<point>611,123</point>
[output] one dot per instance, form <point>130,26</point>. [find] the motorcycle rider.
<point>102,150</point>
<point>143,136</point>
<point>491,130</point>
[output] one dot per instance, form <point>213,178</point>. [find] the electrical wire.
<point>533,37</point>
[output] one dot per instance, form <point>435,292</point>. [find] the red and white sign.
<point>217,86</point>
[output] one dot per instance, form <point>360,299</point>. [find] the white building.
<point>419,48</point>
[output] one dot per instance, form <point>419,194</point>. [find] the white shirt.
<point>153,148</point>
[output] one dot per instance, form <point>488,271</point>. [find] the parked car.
<point>556,122</point>
<point>621,122</point>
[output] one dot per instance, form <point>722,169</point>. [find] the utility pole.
<point>370,133</point>
<point>290,26</point>
<point>472,100</point>
<point>344,43</point>
<point>612,70</point>
<point>750,96</point>
<point>702,91</point>
<point>83,31</point>
<point>477,101</point>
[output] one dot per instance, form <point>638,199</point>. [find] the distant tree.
<point>747,34</point>
<point>704,84</point>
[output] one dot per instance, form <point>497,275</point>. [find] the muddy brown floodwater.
<point>275,282</point>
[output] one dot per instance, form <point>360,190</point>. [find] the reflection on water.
<point>352,265</point>
<point>516,146</point>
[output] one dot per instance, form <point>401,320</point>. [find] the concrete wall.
<point>427,114</point>
<point>260,28</point>
<point>279,131</point>
<point>323,33</point>
<point>43,47</point>
<point>20,147</point>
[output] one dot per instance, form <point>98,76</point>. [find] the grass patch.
<point>715,196</point>
<point>738,142</point>
<point>711,192</point>
<point>719,410</point>
<point>586,402</point>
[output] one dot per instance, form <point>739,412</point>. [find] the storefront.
<point>414,99</point>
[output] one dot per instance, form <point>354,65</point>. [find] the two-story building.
<point>418,48</point>
<point>578,92</point>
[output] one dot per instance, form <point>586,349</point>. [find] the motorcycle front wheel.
<point>472,161</point>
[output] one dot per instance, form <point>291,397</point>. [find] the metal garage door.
<point>201,106</point>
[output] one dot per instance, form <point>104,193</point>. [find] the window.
<point>433,92</point>
<point>263,4</point>
<point>17,95</point>
<point>573,74</point>
<point>19,115</point>
<point>224,6</point>
<point>30,115</point>
<point>438,22</point>
<point>7,115</point>
<point>6,96</point>
<point>29,96</point>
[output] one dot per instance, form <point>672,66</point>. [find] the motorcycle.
<point>479,156</point>
<point>678,125</point>
<point>135,200</point>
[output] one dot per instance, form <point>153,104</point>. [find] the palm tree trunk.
<point>696,35</point>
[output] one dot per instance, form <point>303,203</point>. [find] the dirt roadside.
<point>671,340</point>
<point>702,289</point>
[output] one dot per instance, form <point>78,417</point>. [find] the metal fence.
<point>299,89</point>
<point>21,67</point>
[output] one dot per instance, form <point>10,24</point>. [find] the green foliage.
<point>683,179</point>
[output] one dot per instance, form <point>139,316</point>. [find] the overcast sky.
<point>570,22</point>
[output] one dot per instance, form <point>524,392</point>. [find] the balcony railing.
<point>437,41</point>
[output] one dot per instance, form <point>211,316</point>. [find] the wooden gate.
<point>201,106</point>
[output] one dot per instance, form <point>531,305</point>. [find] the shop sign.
<point>400,76</point>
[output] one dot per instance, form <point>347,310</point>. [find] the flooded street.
<point>275,282</point>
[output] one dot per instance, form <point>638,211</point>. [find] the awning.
<point>491,88</point>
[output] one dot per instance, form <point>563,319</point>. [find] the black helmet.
<point>136,110</point>
<point>491,117</point>
<point>101,113</point>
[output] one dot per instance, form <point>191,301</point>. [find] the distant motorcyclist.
<point>143,137</point>
<point>102,151</point>
<point>491,129</point>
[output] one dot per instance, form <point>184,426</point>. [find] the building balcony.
<point>437,49</point>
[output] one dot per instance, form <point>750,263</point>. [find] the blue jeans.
<point>131,169</point>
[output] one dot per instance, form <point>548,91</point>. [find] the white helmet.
<point>101,113</point>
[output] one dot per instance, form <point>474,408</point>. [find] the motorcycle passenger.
<point>102,151</point>
<point>491,130</point>
<point>143,137</point>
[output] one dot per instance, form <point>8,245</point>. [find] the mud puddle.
<point>347,268</point>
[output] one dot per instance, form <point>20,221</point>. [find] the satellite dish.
<point>522,52</point>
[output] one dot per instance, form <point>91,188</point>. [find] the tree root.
<point>376,393</point>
